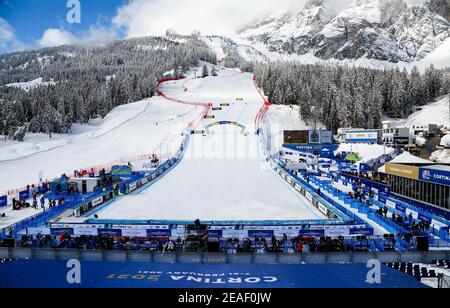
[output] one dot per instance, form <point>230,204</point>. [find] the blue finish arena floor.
<point>52,274</point>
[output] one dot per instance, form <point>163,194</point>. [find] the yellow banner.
<point>410,172</point>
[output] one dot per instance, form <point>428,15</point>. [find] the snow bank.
<point>441,156</point>
<point>445,141</point>
<point>408,158</point>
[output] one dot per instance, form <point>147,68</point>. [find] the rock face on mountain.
<point>387,30</point>
<point>441,7</point>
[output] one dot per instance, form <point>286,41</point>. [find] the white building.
<point>397,136</point>
<point>86,185</point>
<point>428,130</point>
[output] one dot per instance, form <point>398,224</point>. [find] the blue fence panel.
<point>24,195</point>
<point>3,201</point>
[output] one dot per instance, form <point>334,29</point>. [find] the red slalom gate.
<point>207,106</point>
<point>261,114</point>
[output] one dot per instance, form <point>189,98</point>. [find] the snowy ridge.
<point>367,29</point>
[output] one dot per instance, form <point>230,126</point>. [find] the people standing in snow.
<point>42,203</point>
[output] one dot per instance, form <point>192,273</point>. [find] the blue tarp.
<point>52,274</point>
<point>60,185</point>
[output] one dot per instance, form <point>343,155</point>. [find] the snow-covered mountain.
<point>386,30</point>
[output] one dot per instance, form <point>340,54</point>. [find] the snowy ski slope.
<point>222,177</point>
<point>149,126</point>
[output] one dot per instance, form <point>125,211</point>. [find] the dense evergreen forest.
<point>82,82</point>
<point>340,96</point>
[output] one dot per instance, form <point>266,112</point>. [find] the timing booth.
<point>85,185</point>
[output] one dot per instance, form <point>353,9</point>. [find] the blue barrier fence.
<point>77,203</point>
<point>363,208</point>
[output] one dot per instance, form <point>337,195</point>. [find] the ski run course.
<point>221,176</point>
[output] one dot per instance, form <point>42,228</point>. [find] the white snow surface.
<point>222,176</point>
<point>29,85</point>
<point>441,156</point>
<point>408,158</point>
<point>149,126</point>
<point>432,113</point>
<point>445,141</point>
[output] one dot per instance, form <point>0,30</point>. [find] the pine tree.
<point>213,71</point>
<point>205,72</point>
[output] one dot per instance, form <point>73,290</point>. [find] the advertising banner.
<point>235,233</point>
<point>110,232</point>
<point>441,177</point>
<point>3,201</point>
<point>134,232</point>
<point>216,234</point>
<point>362,137</point>
<point>97,201</point>
<point>58,231</point>
<point>410,172</point>
<point>24,195</point>
<point>362,231</point>
<point>400,208</point>
<point>159,233</point>
<point>312,233</point>
<point>424,219</point>
<point>260,233</point>
<point>37,231</point>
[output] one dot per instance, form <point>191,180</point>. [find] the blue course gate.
<point>209,126</point>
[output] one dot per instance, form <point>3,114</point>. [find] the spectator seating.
<point>442,263</point>
<point>415,270</point>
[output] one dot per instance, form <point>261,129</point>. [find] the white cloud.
<point>8,39</point>
<point>154,17</point>
<point>96,35</point>
<point>56,37</point>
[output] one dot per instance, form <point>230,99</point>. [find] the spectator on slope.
<point>198,225</point>
<point>385,211</point>
<point>274,243</point>
<point>42,203</point>
<point>299,247</point>
<point>410,219</point>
